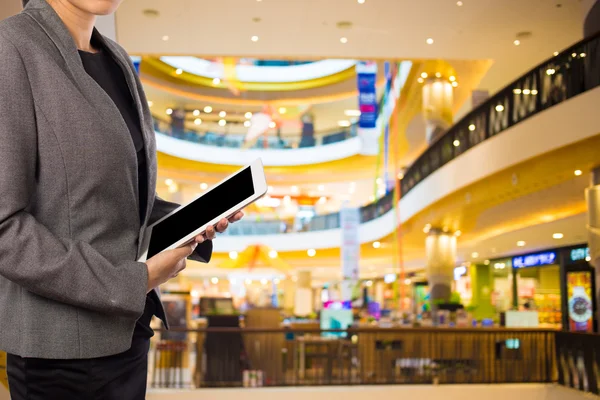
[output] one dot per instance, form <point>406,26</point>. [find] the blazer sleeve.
<point>58,268</point>
<point>203,252</point>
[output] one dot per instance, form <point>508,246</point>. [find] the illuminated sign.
<point>582,253</point>
<point>534,260</point>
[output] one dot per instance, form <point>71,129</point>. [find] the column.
<point>304,301</point>
<point>437,105</point>
<point>440,252</point>
<point>482,283</point>
<point>592,195</point>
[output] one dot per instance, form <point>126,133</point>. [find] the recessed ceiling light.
<point>169,182</point>
<point>420,80</point>
<point>248,281</point>
<point>429,41</point>
<point>294,189</point>
<point>499,108</point>
<point>247,124</point>
<point>214,280</point>
<point>254,38</point>
<point>456,143</point>
<point>272,125</point>
<point>352,113</point>
<point>344,123</point>
<point>457,233</point>
<point>517,42</point>
<point>273,254</point>
<point>475,255</point>
<point>321,188</point>
<point>248,115</point>
<point>322,200</point>
<point>400,175</point>
<point>203,186</point>
<point>344,40</point>
<point>222,122</point>
<point>427,228</point>
<point>222,114</point>
<point>459,3</point>
<point>196,113</point>
<point>454,84</point>
<point>282,110</point>
<point>452,78</point>
<point>376,245</point>
<point>165,38</point>
<point>169,111</point>
<point>179,71</point>
<point>578,172</point>
<point>150,103</point>
<point>361,1</point>
<point>517,91</point>
<point>521,243</point>
<point>526,91</point>
<point>471,127</point>
<point>208,109</point>
<point>534,92</point>
<point>424,75</point>
<point>555,53</point>
<point>311,252</point>
<point>216,81</point>
<point>558,236</point>
<point>438,75</point>
<point>197,121</point>
<point>486,262</point>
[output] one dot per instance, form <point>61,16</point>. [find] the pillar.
<point>289,294</point>
<point>592,195</point>
<point>482,283</point>
<point>303,305</point>
<point>440,253</point>
<point>437,106</point>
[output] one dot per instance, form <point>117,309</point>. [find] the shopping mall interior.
<point>432,215</point>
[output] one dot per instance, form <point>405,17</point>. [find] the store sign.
<point>350,223</point>
<point>580,254</point>
<point>535,260</point>
<point>367,94</point>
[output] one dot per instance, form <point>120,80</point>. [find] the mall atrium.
<point>432,214</point>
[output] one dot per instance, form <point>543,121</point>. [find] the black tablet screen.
<point>199,212</point>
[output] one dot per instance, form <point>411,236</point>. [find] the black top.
<point>109,75</point>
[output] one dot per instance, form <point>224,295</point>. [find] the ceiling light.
<point>344,123</point>
<point>574,55</point>
<point>454,84</point>
<point>272,254</point>
<point>179,71</point>
<point>517,42</point>
<point>248,115</point>
<point>233,255</point>
<point>424,75</point>
<point>499,108</point>
<point>344,40</point>
<point>456,143</point>
<point>322,200</point>
<point>282,110</point>
<point>311,252</point>
<point>475,255</point>
<point>427,228</point>
<point>420,80</point>
<point>165,38</point>
<point>222,114</point>
<point>578,172</point>
<point>371,198</point>
<point>534,92</point>
<point>400,175</point>
<point>203,186</point>
<point>407,281</point>
<point>150,103</point>
<point>321,188</point>
<point>555,53</point>
<point>379,181</point>
<point>558,236</point>
<point>214,280</point>
<point>294,189</point>
<point>452,78</point>
<point>276,281</point>
<point>254,38</point>
<point>169,182</point>
<point>264,281</point>
<point>588,258</point>
<point>521,243</point>
<point>208,109</point>
<point>222,122</point>
<point>247,124</point>
<point>429,41</point>
<point>550,71</point>
<point>169,111</point>
<point>361,1</point>
<point>486,262</point>
<point>196,113</point>
<point>438,75</point>
<point>526,92</point>
<point>272,125</point>
<point>248,281</point>
<point>517,91</point>
<point>457,233</point>
<point>459,3</point>
<point>352,113</point>
<point>197,121</point>
<point>376,245</point>
<point>216,81</point>
<point>582,55</point>
<point>173,188</point>
<point>471,127</point>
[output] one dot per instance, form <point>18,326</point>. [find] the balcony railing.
<point>237,141</point>
<point>220,357</point>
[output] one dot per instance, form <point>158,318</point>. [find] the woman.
<point>77,184</point>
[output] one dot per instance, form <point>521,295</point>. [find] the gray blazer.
<point>70,230</point>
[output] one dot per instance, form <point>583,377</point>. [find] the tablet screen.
<point>201,211</point>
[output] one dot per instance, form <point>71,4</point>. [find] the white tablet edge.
<point>260,189</point>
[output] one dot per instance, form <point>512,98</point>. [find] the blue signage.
<point>535,260</point>
<point>579,254</point>
<point>367,94</point>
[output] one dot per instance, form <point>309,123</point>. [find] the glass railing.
<point>237,141</point>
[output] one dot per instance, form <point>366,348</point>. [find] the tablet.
<point>221,201</point>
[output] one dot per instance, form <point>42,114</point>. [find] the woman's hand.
<point>221,227</point>
<point>167,265</point>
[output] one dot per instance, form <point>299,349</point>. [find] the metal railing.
<point>281,357</point>
<point>578,361</point>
